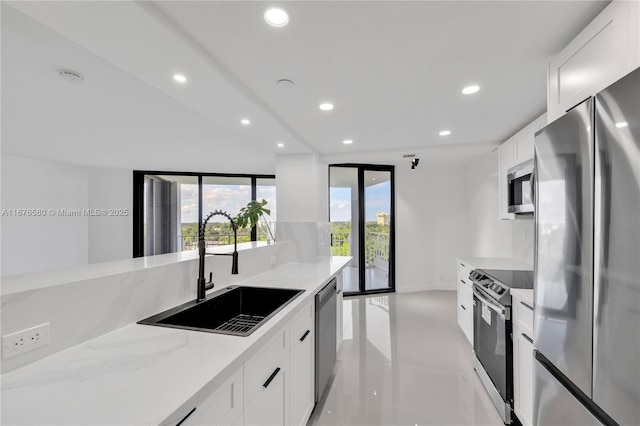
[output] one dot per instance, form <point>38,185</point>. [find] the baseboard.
<point>412,289</point>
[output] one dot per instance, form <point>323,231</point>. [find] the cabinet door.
<point>524,147</point>
<point>268,406</point>
<point>301,365</point>
<point>465,300</point>
<point>605,51</point>
<point>523,377</point>
<point>222,406</point>
<point>301,379</point>
<point>466,313</point>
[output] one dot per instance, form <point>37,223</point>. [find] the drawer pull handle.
<point>304,336</point>
<point>527,337</point>
<point>463,307</point>
<point>463,281</point>
<point>271,377</point>
<point>185,417</point>
<point>527,305</point>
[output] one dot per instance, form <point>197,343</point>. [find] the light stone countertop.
<point>496,263</point>
<point>23,282</point>
<point>142,374</point>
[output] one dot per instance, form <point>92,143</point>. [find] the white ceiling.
<point>393,69</point>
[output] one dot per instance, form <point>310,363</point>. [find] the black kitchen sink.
<point>234,310</point>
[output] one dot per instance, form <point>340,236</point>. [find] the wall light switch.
<point>25,340</point>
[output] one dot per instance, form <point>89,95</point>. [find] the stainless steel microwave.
<point>520,189</point>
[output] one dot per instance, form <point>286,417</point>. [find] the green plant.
<point>249,215</point>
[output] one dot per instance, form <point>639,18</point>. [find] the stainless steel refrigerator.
<point>587,262</point>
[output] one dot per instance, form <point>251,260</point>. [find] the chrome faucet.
<point>203,285</point>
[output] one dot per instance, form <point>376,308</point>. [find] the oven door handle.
<point>498,309</point>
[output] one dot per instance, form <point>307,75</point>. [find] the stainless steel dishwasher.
<point>325,336</point>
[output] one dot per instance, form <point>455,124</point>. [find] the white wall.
<point>488,235</point>
<point>54,241</point>
<point>31,244</point>
<point>445,211</point>
<point>110,237</point>
<point>523,238</point>
<point>431,225</point>
<point>303,195</point>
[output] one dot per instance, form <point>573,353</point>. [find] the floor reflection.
<point>375,279</point>
<point>404,361</point>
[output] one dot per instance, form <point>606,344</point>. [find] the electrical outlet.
<point>25,340</point>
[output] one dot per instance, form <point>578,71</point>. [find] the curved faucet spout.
<point>203,285</point>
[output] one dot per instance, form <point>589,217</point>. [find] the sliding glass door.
<point>361,215</point>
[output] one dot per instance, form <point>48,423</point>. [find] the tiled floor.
<point>404,361</point>
<point>375,278</point>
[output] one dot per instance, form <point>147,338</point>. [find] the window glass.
<point>228,194</point>
<point>169,203</point>
<point>266,190</point>
<point>170,208</point>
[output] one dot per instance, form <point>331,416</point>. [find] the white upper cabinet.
<point>606,50</point>
<point>515,150</point>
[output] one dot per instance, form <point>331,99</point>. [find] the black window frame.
<point>361,168</point>
<point>138,199</point>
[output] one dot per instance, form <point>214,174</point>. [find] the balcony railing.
<point>190,242</point>
<point>376,248</point>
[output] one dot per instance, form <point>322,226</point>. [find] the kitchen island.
<point>140,374</point>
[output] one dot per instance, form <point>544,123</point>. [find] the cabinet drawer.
<point>466,297</point>
<point>259,368</point>
<point>524,316</point>
<point>301,323</point>
<point>463,272</point>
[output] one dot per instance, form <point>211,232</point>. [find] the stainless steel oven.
<point>492,344</point>
<point>492,347</point>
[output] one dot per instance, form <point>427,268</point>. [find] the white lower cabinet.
<point>522,361</point>
<point>301,366</point>
<point>265,382</point>
<point>268,407</point>
<point>222,407</point>
<point>273,387</point>
<point>339,299</point>
<point>465,300</point>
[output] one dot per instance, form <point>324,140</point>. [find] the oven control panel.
<point>499,291</point>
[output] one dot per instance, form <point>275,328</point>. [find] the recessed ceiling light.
<point>280,145</point>
<point>245,121</point>
<point>180,78</point>
<point>71,76</point>
<point>622,124</point>
<point>470,89</point>
<point>326,106</point>
<point>284,82</point>
<point>445,132</point>
<point>276,17</point>
<point>347,141</point>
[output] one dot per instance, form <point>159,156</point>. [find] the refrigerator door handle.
<point>532,185</point>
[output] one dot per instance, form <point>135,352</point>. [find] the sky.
<point>377,200</point>
<point>229,198</point>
